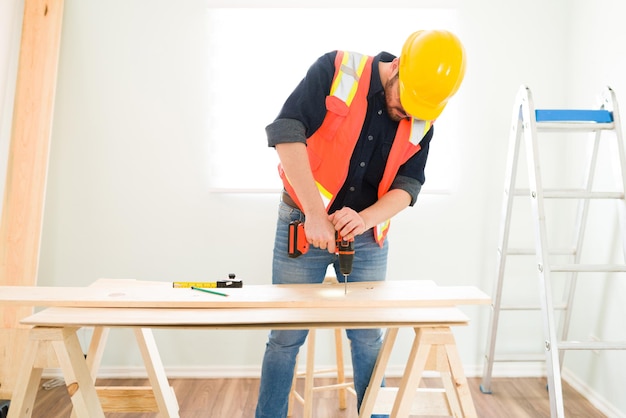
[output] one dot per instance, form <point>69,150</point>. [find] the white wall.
<point>127,197</point>
<point>596,60</point>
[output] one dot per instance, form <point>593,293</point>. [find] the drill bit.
<point>345,284</point>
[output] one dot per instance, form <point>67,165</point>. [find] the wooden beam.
<point>22,210</point>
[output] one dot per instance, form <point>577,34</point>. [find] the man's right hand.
<point>320,232</point>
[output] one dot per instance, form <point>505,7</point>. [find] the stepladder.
<point>572,237</point>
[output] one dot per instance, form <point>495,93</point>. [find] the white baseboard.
<point>599,402</point>
<point>216,372</point>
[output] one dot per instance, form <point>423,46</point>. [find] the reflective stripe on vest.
<point>344,88</point>
<point>345,84</point>
<point>380,231</point>
<point>419,129</point>
<point>326,196</point>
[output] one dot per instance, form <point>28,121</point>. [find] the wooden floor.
<point>236,398</point>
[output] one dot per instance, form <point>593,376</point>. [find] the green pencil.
<point>208,291</point>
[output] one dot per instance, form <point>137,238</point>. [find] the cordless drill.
<point>298,245</point>
<point>345,251</point>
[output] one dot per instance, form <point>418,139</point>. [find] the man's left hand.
<point>348,223</point>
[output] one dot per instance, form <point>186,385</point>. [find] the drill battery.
<point>297,243</point>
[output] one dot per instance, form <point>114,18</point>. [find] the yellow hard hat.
<point>432,66</point>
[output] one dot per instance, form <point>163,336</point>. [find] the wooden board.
<point>229,318</point>
<point>22,210</point>
<point>27,164</point>
<point>401,293</point>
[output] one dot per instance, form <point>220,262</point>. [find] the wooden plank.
<point>27,381</point>
<point>164,395</point>
<point>460,382</point>
<point>431,402</point>
<point>396,293</point>
<point>22,208</point>
<point>413,372</point>
<point>77,377</point>
<point>245,318</point>
<point>373,389</point>
<point>22,213</point>
<point>96,350</point>
<point>127,399</point>
<point>12,343</point>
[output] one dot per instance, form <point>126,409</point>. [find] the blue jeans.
<point>370,264</point>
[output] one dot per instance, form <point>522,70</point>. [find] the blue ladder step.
<point>566,115</point>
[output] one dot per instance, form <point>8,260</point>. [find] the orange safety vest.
<point>330,147</point>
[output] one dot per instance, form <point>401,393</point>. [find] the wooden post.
<point>22,210</point>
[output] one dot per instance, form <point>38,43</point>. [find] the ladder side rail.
<point>610,103</point>
<point>502,251</point>
<point>545,287</point>
<point>579,235</point>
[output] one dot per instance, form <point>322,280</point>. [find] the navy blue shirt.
<point>304,111</point>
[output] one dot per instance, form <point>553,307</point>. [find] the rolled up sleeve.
<point>409,185</point>
<point>285,130</point>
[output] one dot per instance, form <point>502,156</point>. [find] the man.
<point>352,140</point>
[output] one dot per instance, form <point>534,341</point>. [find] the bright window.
<point>258,56</point>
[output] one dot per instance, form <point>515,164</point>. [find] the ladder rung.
<point>532,251</point>
<point>581,194</point>
<point>573,115</point>
<point>592,345</point>
<point>561,306</point>
<point>521,251</point>
<point>570,126</point>
<point>572,194</point>
<point>333,386</point>
<point>589,268</point>
<point>519,358</point>
<point>574,126</point>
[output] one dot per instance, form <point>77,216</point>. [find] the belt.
<point>288,200</point>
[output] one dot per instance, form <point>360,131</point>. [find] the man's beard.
<point>396,114</point>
